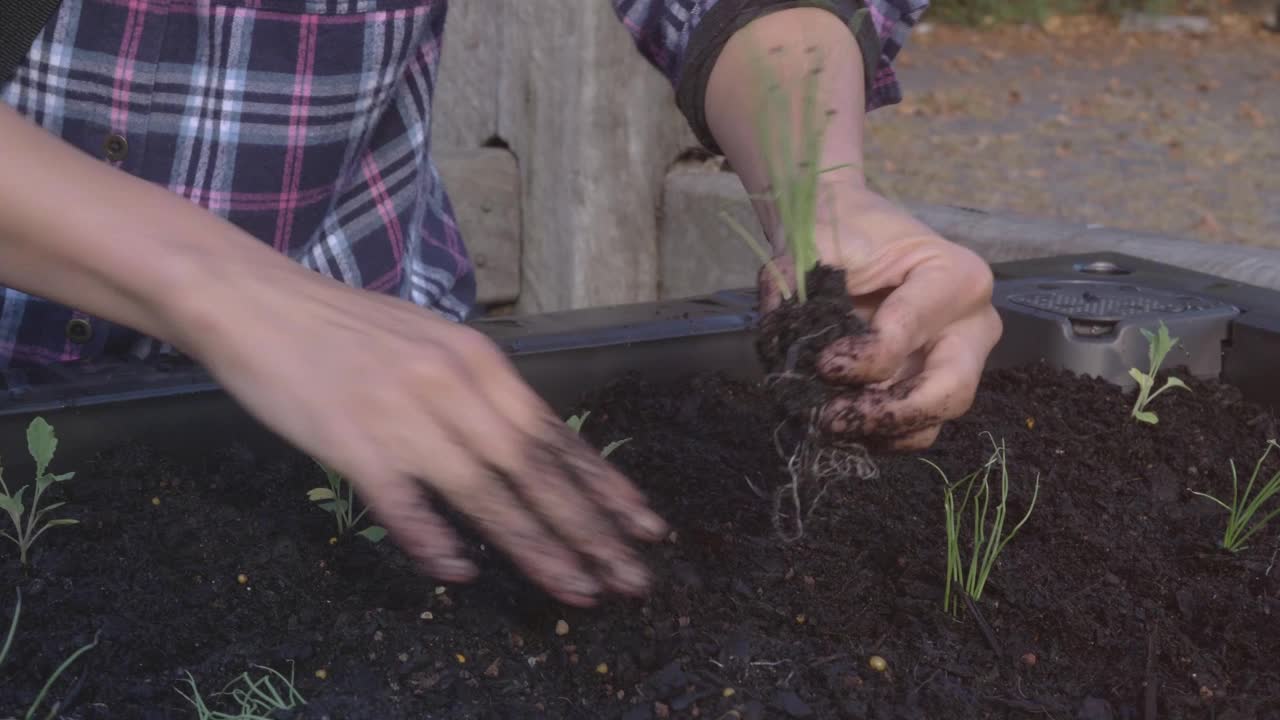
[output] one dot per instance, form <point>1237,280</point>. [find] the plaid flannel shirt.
<point>305,122</point>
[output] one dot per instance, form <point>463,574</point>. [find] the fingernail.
<point>651,524</point>
<point>454,567</point>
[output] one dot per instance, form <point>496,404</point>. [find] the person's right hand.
<point>397,399</point>
<point>401,401</point>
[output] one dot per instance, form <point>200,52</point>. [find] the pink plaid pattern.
<point>307,123</point>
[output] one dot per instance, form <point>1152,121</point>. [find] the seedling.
<point>575,424</point>
<point>1244,507</point>
<point>343,508</point>
<point>29,523</point>
<point>48,684</point>
<point>793,172</point>
<point>253,698</point>
<point>1158,346</point>
<point>988,539</point>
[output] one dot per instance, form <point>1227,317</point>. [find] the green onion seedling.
<point>575,424</point>
<point>253,698</point>
<point>792,158</point>
<point>29,523</point>
<point>1245,506</point>
<point>331,499</point>
<point>988,538</point>
<point>1158,346</point>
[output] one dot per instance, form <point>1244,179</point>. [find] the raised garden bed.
<point>1113,601</point>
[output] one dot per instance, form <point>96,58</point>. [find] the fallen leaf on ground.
<point>1250,113</point>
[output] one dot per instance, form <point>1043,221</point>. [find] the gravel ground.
<point>1079,121</point>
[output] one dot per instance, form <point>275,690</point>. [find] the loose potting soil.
<point>1113,601</point>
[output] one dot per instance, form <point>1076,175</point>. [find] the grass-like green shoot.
<point>987,536</point>
<point>1240,513</point>
<point>48,684</point>
<point>339,498</point>
<point>792,157</point>
<point>1159,344</point>
<point>252,698</point>
<point>575,423</point>
<point>29,522</point>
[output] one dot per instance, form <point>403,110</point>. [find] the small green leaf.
<point>63,477</point>
<point>1146,416</point>
<point>1173,382</point>
<point>41,443</point>
<point>373,533</point>
<point>575,421</point>
<point>318,494</point>
<point>11,504</point>
<point>61,522</point>
<point>1141,377</point>
<point>43,482</point>
<point>327,506</point>
<point>608,449</point>
<point>48,508</point>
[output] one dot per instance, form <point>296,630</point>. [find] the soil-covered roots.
<point>791,341</point>
<point>813,464</point>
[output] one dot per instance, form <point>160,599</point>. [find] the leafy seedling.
<point>1245,506</point>
<point>792,157</point>
<point>30,523</point>
<point>575,424</point>
<point>48,684</point>
<point>252,698</point>
<point>987,537</point>
<point>331,499</point>
<point>1158,346</point>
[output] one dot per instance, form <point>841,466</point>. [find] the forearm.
<point>734,93</point>
<point>75,231</point>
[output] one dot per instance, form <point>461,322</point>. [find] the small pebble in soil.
<point>877,663</point>
<point>602,668</point>
<point>800,619</point>
<point>1206,693</point>
<point>242,579</point>
<point>661,711</point>
<point>440,590</point>
<point>427,615</point>
<point>462,659</point>
<point>562,628</point>
<point>728,692</point>
<point>333,541</point>
<point>155,501</point>
<point>494,668</point>
<point>403,657</point>
<point>1029,659</point>
<point>322,674</point>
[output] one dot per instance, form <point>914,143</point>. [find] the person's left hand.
<point>932,325</point>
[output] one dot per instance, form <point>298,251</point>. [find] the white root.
<point>812,466</point>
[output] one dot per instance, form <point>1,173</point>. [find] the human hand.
<point>402,402</point>
<point>928,303</point>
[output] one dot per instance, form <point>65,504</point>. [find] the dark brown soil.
<point>1114,585</point>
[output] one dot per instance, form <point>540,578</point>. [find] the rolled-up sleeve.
<point>683,39</point>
